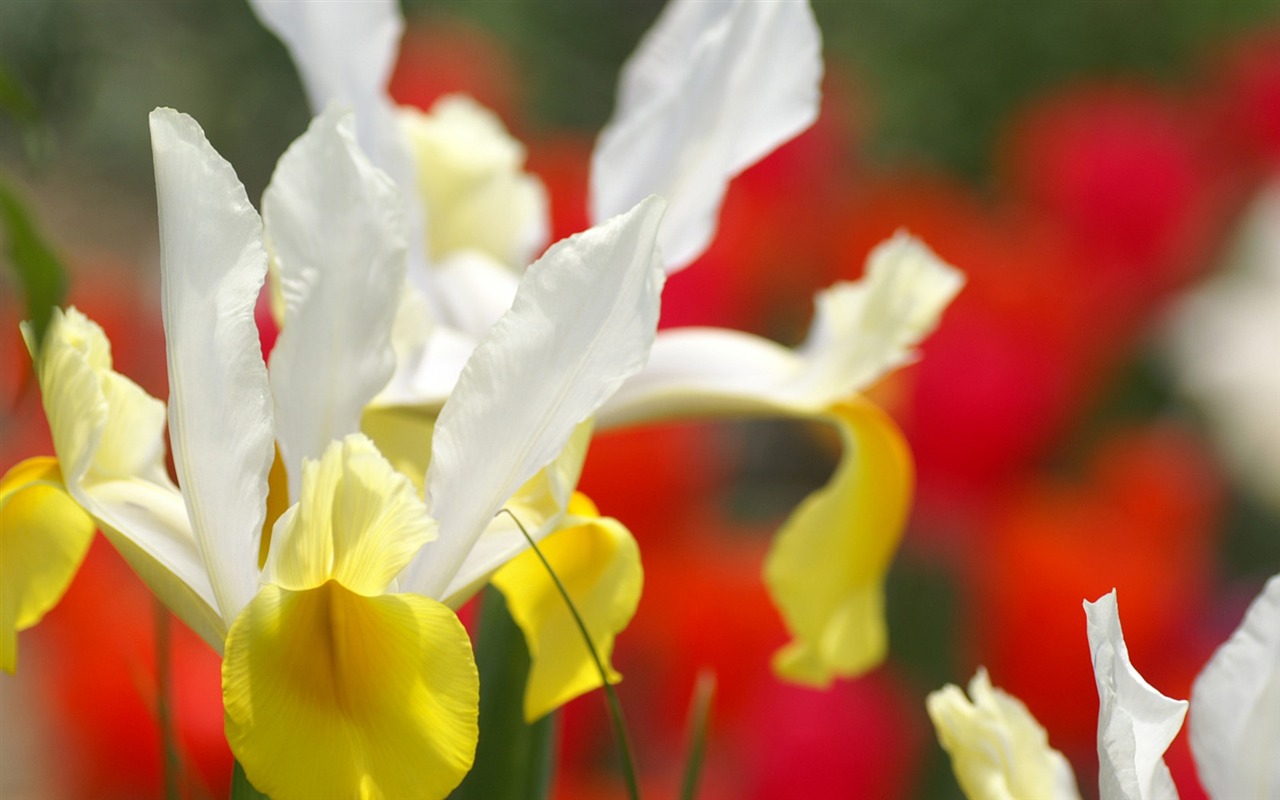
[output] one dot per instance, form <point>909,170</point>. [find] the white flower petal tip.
<point>700,100</point>
<point>584,318</point>
<point>338,233</point>
<point>866,329</point>
<point>213,265</point>
<point>1235,707</point>
<point>998,750</point>
<point>1136,724</point>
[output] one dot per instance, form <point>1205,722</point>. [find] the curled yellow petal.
<point>826,568</point>
<point>598,562</point>
<point>44,536</point>
<point>329,693</point>
<point>358,521</point>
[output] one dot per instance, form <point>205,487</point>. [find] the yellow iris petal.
<point>598,562</point>
<point>44,536</point>
<point>329,693</point>
<point>358,521</point>
<point>827,566</point>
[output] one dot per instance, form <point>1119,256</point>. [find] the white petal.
<point>475,290</point>
<point>212,268</point>
<point>1136,723</point>
<point>336,227</point>
<point>429,356</point>
<point>344,51</point>
<point>1235,707</point>
<point>711,89</point>
<point>583,321</point>
<point>860,332</point>
<point>110,434</point>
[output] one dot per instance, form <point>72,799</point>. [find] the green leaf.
<point>41,273</point>
<point>241,789</point>
<point>704,691</point>
<point>514,760</point>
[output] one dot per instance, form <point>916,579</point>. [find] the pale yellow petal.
<point>598,562</point>
<point>358,522</point>
<point>403,436</point>
<point>329,693</point>
<point>998,750</point>
<point>44,536</point>
<point>472,184</point>
<point>827,566</point>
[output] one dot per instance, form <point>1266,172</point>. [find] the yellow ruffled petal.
<point>598,562</point>
<point>44,536</point>
<point>998,750</point>
<point>358,522</point>
<point>827,566</point>
<point>329,693</point>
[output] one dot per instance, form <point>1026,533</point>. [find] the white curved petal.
<point>336,227</point>
<point>110,434</point>
<point>212,268</point>
<point>710,90</point>
<point>344,51</point>
<point>860,332</point>
<point>475,291</point>
<point>429,356</point>
<point>1136,723</point>
<point>583,321</point>
<point>147,524</point>
<point>1235,706</point>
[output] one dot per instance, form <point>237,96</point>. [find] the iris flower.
<point>290,543</point>
<point>700,100</point>
<point>999,751</point>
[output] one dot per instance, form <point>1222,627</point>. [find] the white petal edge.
<point>220,424</point>
<point>701,99</point>
<point>1136,724</point>
<point>336,227</point>
<point>1235,706</point>
<point>344,51</point>
<point>861,331</point>
<point>583,321</point>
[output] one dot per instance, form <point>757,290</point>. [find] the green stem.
<point>171,763</point>
<point>615,707</point>
<point>699,724</point>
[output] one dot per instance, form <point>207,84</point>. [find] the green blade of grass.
<point>39,271</point>
<point>704,692</point>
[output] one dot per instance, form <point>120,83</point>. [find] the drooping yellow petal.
<point>358,522</point>
<point>44,536</point>
<point>827,566</point>
<point>598,562</point>
<point>329,693</point>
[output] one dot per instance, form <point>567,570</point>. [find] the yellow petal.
<point>44,536</point>
<point>997,748</point>
<point>827,566</point>
<point>403,436</point>
<point>329,693</point>
<point>358,521</point>
<point>598,562</point>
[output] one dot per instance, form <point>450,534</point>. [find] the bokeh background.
<point>1081,420</point>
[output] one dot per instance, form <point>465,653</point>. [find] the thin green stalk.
<point>615,707</point>
<point>171,763</point>
<point>704,692</point>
